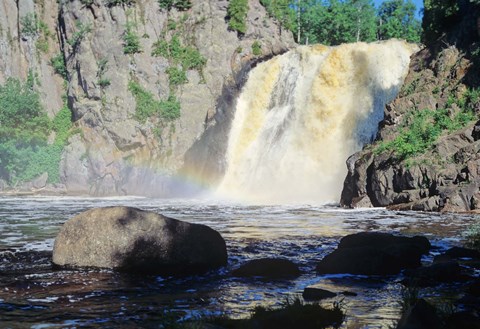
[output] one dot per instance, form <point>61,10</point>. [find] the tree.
<point>397,20</point>
<point>438,17</point>
<point>334,22</point>
<point>281,11</point>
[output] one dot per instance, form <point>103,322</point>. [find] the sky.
<point>418,3</point>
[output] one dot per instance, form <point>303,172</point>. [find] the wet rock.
<point>474,289</point>
<point>374,253</point>
<point>268,267</point>
<point>317,294</point>
<point>435,273</point>
<point>463,320</point>
<point>459,252</point>
<point>420,316</point>
<point>134,240</point>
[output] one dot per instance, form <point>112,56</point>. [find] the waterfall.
<point>301,114</point>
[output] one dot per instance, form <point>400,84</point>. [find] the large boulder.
<point>134,240</point>
<point>374,254</point>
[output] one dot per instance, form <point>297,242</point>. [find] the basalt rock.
<point>133,240</point>
<point>446,176</point>
<point>422,315</point>
<point>374,254</point>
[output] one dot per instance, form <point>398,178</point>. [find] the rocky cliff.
<point>129,66</point>
<point>426,154</point>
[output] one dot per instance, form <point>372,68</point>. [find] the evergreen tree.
<point>397,20</point>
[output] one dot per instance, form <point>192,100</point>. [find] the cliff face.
<point>120,59</point>
<point>426,155</point>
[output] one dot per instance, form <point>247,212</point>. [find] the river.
<point>34,295</point>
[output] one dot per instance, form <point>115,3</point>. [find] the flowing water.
<point>35,295</point>
<point>302,114</point>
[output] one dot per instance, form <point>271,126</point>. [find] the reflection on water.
<point>32,294</point>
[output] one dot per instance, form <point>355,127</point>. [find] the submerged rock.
<point>134,240</point>
<point>420,316</point>
<point>317,294</point>
<point>448,271</point>
<point>459,252</point>
<point>268,267</point>
<point>374,254</point>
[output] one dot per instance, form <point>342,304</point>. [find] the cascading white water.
<point>301,114</point>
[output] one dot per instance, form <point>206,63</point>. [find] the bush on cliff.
<point>237,13</point>
<point>24,131</point>
<point>421,129</point>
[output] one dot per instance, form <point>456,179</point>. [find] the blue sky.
<point>418,3</point>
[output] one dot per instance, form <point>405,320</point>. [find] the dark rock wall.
<point>446,177</point>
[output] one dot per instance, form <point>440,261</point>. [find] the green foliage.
<point>256,48</point>
<point>147,106</point>
<point>422,128</point>
<point>42,43</point>
<point>102,67</point>
<point>62,124</point>
<point>472,236</point>
<point>188,57</point>
<point>25,127</point>
<point>438,16</point>
<point>281,11</point>
<point>176,76</point>
<point>29,25</point>
<point>112,3</point>
<point>104,82</point>
<point>334,22</point>
<point>237,12</point>
<point>397,20</point>
<point>179,4</point>
<point>58,64</point>
<point>131,41</point>
<point>79,35</point>
<point>87,2</point>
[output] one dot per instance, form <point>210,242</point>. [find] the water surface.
<point>34,295</point>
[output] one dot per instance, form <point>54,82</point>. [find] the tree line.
<point>332,22</point>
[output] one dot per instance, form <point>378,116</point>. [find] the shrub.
<point>472,236</point>
<point>293,314</point>
<point>104,82</point>
<point>58,64</point>
<point>421,129</point>
<point>179,4</point>
<point>87,2</point>
<point>112,3</point>
<point>29,25</point>
<point>79,35</point>
<point>237,12</point>
<point>131,41</point>
<point>256,48</point>
<point>147,106</point>
<point>176,76</point>
<point>188,57</point>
